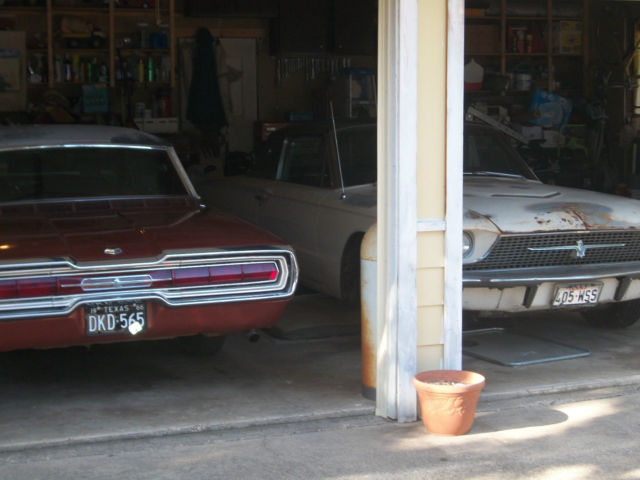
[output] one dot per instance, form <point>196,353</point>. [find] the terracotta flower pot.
<point>448,399</point>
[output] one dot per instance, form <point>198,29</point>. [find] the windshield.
<point>358,155</point>
<point>68,172</point>
<point>487,153</point>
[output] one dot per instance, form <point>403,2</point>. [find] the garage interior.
<point>129,62</point>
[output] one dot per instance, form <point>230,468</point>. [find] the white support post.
<point>397,221</point>
<point>452,330</point>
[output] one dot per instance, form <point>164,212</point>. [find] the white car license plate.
<point>109,318</point>
<point>583,294</point>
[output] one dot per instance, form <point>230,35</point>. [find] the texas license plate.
<point>582,294</point>
<point>109,318</point>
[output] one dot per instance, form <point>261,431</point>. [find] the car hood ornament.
<point>112,251</point>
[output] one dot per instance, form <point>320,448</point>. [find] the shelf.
<point>513,55</point>
<point>495,40</point>
<point>22,10</point>
<point>481,18</point>
<point>137,12</point>
<point>135,83</point>
<point>81,51</point>
<point>76,84</point>
<point>482,54</point>
<point>492,93</point>
<point>146,51</point>
<point>526,19</point>
<point>79,11</point>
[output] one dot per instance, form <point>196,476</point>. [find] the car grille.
<point>513,251</point>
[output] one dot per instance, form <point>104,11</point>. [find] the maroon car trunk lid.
<point>128,229</point>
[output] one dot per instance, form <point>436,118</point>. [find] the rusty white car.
<point>103,238</point>
<point>528,246</point>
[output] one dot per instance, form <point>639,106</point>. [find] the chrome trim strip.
<point>536,276</point>
<point>167,259</point>
<point>579,248</point>
<point>85,145</point>
<point>186,181</point>
<point>106,283</point>
<point>283,287</point>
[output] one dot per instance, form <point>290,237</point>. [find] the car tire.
<point>202,345</point>
<point>618,315</point>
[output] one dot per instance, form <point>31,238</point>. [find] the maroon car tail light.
<point>175,278</point>
<point>189,277</point>
<point>37,287</point>
<point>8,289</point>
<point>259,272</point>
<point>49,289</point>
<point>225,274</point>
<point>28,288</point>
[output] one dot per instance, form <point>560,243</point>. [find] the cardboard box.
<point>530,132</point>
<point>13,67</point>
<point>157,125</point>
<point>481,39</point>
<point>567,38</point>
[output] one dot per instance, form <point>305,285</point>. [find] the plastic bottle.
<point>58,69</point>
<point>67,69</point>
<point>150,69</point>
<point>75,68</point>
<point>140,70</point>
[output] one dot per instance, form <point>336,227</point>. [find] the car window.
<point>267,156</point>
<point>358,153</point>
<point>487,152</point>
<point>50,173</point>
<point>303,161</point>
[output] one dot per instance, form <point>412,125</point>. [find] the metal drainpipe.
<point>368,285</point>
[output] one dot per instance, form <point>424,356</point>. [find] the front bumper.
<point>532,289</point>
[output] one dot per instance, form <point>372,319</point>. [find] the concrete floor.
<point>307,369</point>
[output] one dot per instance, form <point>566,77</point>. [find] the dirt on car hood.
<point>524,206</point>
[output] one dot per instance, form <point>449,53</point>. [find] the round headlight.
<point>467,244</point>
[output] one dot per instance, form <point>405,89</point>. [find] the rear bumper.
<point>162,322</point>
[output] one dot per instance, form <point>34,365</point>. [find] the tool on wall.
<point>313,67</point>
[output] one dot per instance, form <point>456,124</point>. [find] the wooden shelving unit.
<point>113,20</point>
<point>494,48</point>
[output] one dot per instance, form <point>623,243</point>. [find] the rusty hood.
<point>525,206</point>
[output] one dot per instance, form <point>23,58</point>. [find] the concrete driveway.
<point>143,390</point>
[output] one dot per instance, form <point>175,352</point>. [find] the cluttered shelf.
<point>140,12</point>
<point>37,10</point>
<point>79,11</point>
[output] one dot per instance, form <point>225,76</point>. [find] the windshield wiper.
<point>488,173</point>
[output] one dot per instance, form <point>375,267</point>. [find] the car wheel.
<point>202,345</point>
<point>350,271</point>
<point>618,315</point>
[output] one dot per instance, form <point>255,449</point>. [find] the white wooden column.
<point>452,332</point>
<point>397,130</point>
<point>398,225</point>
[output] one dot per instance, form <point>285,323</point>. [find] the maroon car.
<point>104,239</point>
